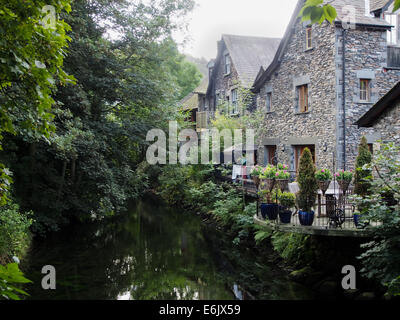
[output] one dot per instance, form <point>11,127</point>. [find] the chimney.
<point>367,8</point>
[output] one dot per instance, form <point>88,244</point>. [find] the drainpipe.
<point>344,96</point>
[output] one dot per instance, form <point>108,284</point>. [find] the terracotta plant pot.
<point>324,185</point>
<point>344,185</point>
<point>282,184</point>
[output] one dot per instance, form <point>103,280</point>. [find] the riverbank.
<point>313,261</point>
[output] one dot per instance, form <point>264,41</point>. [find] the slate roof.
<point>248,54</point>
<point>379,4</point>
<point>386,102</point>
<point>360,19</point>
<point>191,101</point>
<point>202,88</point>
<point>359,5</point>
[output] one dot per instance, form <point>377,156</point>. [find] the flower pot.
<point>269,211</point>
<point>344,185</point>
<point>356,218</point>
<point>268,184</point>
<point>282,184</point>
<point>324,185</point>
<point>285,216</point>
<point>263,210</point>
<point>306,218</point>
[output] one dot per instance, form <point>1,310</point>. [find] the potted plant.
<point>267,177</point>
<point>324,178</point>
<point>344,179</point>
<point>288,201</point>
<point>255,175</point>
<point>308,188</point>
<point>268,208</point>
<point>282,179</point>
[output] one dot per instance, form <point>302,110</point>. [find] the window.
<point>364,89</point>
<point>391,34</point>
<point>210,71</point>
<point>268,101</point>
<point>227,64</point>
<point>308,38</point>
<point>270,155</point>
<point>302,92</point>
<point>298,150</point>
<point>371,147</point>
<point>234,101</point>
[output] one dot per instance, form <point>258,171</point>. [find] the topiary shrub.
<point>308,186</point>
<point>361,184</point>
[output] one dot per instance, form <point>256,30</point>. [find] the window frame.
<point>271,155</point>
<point>303,104</point>
<point>309,38</point>
<point>268,101</point>
<point>365,89</point>
<point>227,64</point>
<point>234,93</point>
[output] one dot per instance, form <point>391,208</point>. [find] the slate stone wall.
<point>284,125</point>
<point>366,58</point>
<point>321,68</point>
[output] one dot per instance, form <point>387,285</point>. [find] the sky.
<point>212,18</point>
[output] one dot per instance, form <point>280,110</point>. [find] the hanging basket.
<point>256,181</point>
<point>344,185</point>
<point>282,184</point>
<point>324,185</point>
<point>268,184</point>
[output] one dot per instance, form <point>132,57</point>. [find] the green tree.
<point>124,87</point>
<point>308,186</point>
<point>381,257</point>
<point>361,184</point>
<point>32,43</point>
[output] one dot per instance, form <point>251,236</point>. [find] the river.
<point>154,252</point>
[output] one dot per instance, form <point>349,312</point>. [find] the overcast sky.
<point>211,18</point>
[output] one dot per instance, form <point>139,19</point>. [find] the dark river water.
<point>154,253</point>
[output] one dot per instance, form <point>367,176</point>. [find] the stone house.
<point>384,116</point>
<point>320,82</point>
<point>239,59</point>
<point>195,101</point>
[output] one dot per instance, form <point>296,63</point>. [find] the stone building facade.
<point>239,59</point>
<point>305,86</point>
<point>384,117</point>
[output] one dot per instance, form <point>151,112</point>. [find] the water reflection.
<point>152,253</point>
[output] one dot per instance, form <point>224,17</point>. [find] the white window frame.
<point>392,19</point>
<point>227,64</point>
<point>234,95</point>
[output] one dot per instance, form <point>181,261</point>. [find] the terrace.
<point>334,213</point>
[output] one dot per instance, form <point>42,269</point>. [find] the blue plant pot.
<point>356,218</point>
<point>263,207</point>
<point>306,218</point>
<point>269,211</point>
<point>285,216</point>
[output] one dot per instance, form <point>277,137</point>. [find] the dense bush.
<point>381,257</point>
<point>14,231</point>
